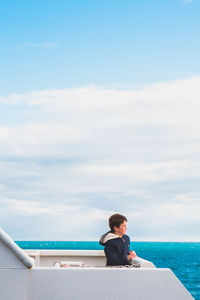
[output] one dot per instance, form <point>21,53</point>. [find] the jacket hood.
<point>106,237</point>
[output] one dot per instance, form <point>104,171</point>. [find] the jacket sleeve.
<point>112,256</point>
<point>129,242</point>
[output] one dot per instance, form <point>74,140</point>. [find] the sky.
<point>99,114</point>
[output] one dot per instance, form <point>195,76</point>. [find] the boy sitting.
<point>116,243</point>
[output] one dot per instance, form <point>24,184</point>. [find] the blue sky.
<point>59,44</point>
<point>99,113</point>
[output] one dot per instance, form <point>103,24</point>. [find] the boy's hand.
<point>131,255</point>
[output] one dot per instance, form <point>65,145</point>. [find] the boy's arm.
<point>113,257</point>
<point>132,254</point>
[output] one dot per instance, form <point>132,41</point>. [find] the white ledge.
<point>8,242</point>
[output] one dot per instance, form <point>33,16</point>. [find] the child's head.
<point>117,222</point>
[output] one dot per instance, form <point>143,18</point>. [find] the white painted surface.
<point>106,284</point>
<point>47,258</point>
<point>12,247</point>
<point>8,259</point>
<point>90,284</point>
<point>14,284</point>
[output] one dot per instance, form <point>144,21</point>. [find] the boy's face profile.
<point>121,230</point>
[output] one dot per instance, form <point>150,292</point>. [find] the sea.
<point>183,258</point>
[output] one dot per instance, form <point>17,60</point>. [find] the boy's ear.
<point>115,228</point>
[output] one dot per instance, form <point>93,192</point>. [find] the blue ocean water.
<point>182,258</point>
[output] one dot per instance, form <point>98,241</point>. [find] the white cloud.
<point>177,211</point>
<point>41,45</point>
<point>150,172</point>
<point>186,2</point>
<point>72,116</point>
<point>95,150</point>
<point>27,207</point>
<point>63,221</point>
<point>176,219</point>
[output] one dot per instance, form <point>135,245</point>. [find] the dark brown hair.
<point>116,220</point>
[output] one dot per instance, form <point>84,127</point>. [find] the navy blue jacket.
<point>116,249</point>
